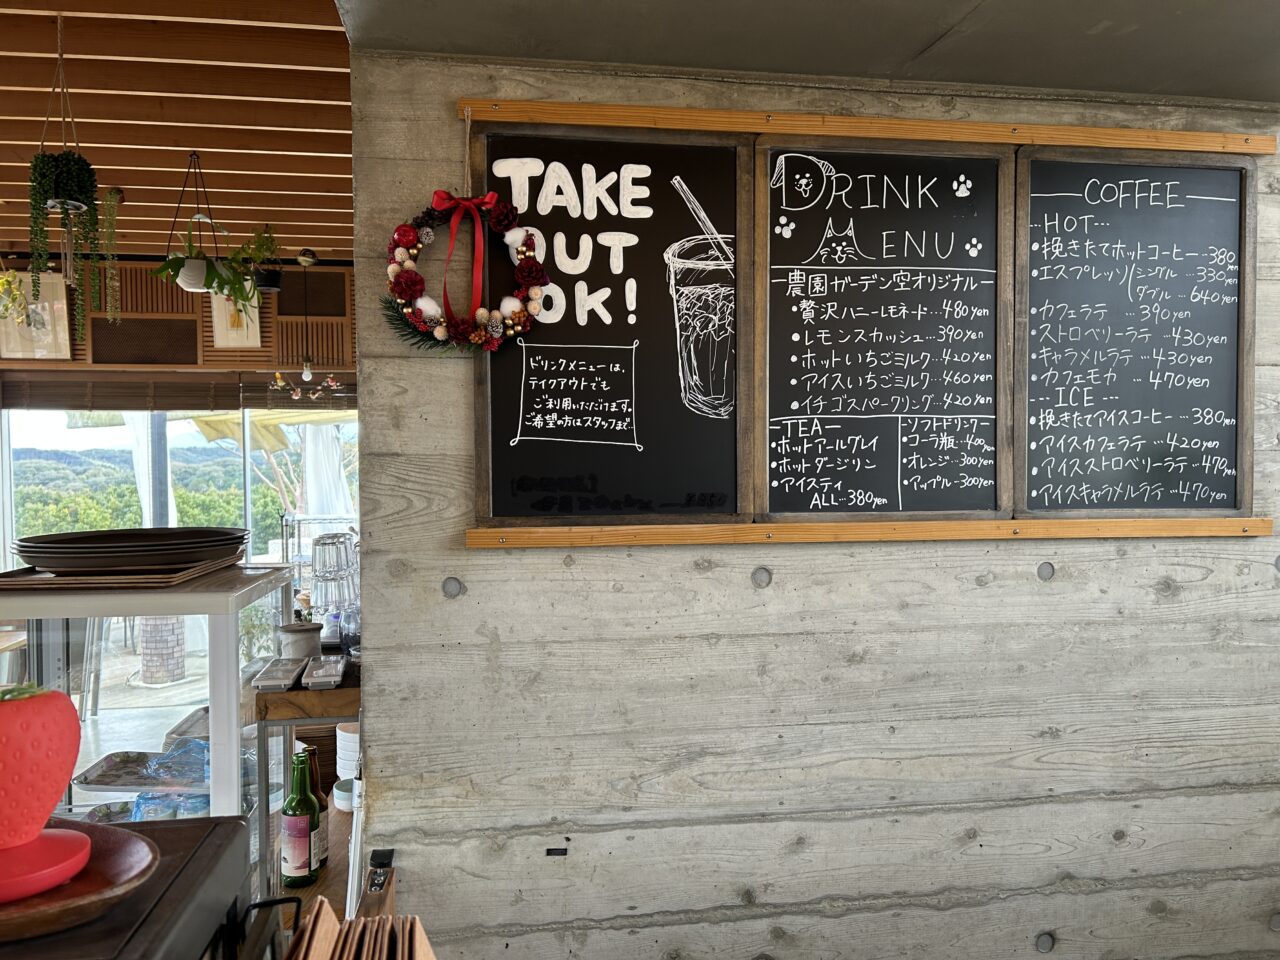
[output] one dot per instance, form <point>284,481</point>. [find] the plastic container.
<point>342,791</point>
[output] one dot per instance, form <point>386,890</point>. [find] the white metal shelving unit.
<point>219,596</point>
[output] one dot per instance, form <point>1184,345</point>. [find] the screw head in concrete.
<point>452,587</point>
<point>1045,942</point>
<point>1274,922</point>
<point>761,577</point>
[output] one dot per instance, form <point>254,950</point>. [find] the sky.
<point>47,430</point>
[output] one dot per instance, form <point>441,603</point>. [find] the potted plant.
<point>196,272</point>
<point>65,182</point>
<point>192,269</point>
<point>263,252</point>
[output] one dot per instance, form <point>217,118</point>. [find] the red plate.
<point>52,858</point>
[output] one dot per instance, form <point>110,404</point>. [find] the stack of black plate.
<point>112,551</point>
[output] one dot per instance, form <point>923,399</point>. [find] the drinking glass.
<point>333,554</point>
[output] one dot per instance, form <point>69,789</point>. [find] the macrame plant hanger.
<point>68,209</point>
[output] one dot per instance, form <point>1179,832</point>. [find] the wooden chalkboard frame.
<point>1004,323</point>
<point>745,358</point>
<point>1245,329</point>
<point>746,130</point>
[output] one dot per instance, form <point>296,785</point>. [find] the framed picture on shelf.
<point>235,326</point>
<point>46,332</point>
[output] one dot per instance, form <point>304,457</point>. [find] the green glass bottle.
<point>299,819</point>
<point>320,852</point>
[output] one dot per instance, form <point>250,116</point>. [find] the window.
<point>66,470</point>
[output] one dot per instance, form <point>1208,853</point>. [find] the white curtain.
<point>324,484</point>
<point>139,424</point>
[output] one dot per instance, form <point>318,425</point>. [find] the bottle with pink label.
<point>299,820</point>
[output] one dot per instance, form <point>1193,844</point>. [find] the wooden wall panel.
<point>328,341</point>
<point>262,93</point>
<point>893,750</point>
<point>142,294</point>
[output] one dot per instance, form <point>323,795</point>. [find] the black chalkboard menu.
<point>1133,280</point>
<point>621,400</point>
<point>883,306</point>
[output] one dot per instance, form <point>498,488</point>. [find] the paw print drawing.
<point>784,226</point>
<point>972,247</point>
<point>962,185</point>
<point>804,183</point>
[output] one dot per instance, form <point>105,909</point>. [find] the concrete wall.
<point>894,750</point>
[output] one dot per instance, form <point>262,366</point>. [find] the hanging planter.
<point>193,269</point>
<point>263,252</point>
<point>196,272</point>
<point>268,281</point>
<point>193,276</point>
<point>64,182</point>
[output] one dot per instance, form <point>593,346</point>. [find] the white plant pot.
<point>191,276</point>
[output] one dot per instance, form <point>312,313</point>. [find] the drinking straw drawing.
<point>701,281</point>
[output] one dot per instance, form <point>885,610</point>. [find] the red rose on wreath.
<point>530,272</point>
<point>408,286</point>
<point>405,236</point>
<point>502,216</point>
<point>493,343</point>
<point>460,329</point>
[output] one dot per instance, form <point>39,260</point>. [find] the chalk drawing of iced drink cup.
<point>700,278</point>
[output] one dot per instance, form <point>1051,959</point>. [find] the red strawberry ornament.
<point>39,743</point>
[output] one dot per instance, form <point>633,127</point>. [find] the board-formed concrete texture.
<point>1202,48</point>
<point>938,751</point>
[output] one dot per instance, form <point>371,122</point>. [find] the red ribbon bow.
<point>445,201</point>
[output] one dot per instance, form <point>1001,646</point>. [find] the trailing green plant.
<point>58,180</point>
<point>111,263</point>
<point>42,178</point>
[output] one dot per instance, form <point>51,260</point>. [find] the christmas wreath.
<point>418,319</point>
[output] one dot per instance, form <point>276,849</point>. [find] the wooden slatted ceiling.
<point>261,90</point>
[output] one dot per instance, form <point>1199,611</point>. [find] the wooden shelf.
<point>332,882</point>
<point>504,538</point>
<point>825,125</point>
<point>303,704</point>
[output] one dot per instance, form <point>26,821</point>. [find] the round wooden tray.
<point>119,862</point>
